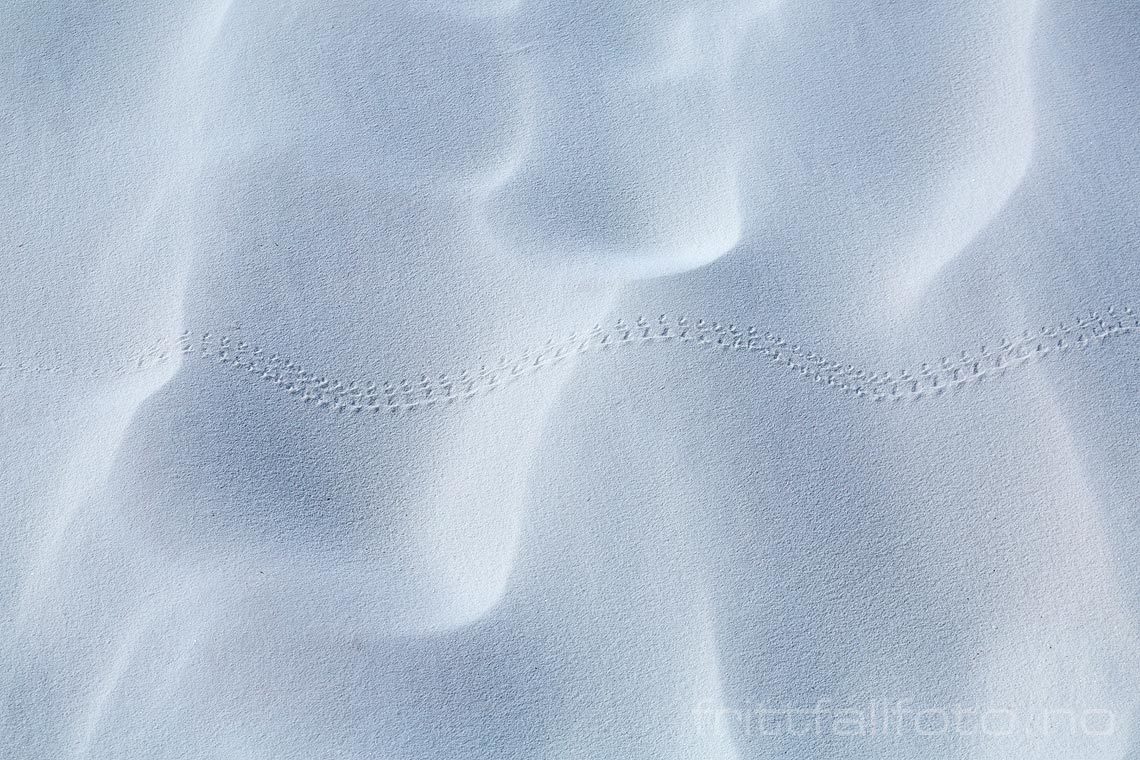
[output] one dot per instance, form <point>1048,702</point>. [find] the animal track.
<point>929,379</point>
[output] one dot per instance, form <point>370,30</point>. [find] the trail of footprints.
<point>929,379</point>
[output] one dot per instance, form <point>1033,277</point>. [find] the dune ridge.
<point>320,438</point>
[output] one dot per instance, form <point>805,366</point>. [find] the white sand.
<point>672,380</point>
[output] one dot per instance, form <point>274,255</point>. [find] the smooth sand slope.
<point>310,449</point>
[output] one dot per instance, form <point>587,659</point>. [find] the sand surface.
<point>526,379</point>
